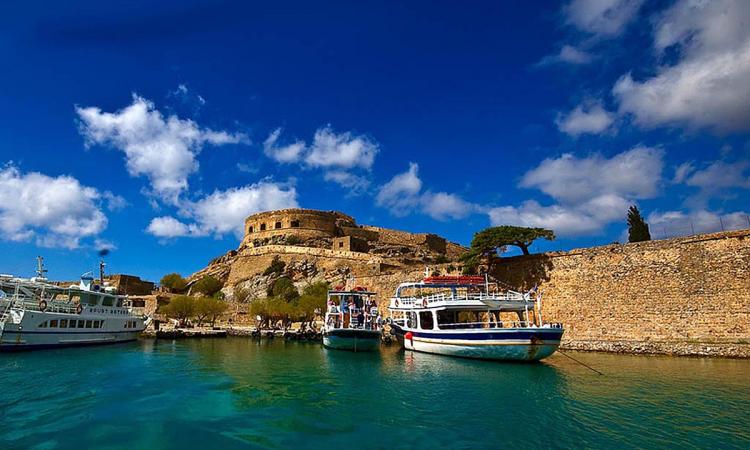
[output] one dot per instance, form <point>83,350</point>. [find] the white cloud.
<point>164,149</point>
<point>114,202</point>
<point>57,211</point>
<point>224,212</point>
<point>589,118</point>
<point>589,193</point>
<point>168,227</point>
<point>443,206</point>
<point>635,173</point>
<point>285,154</point>
<point>343,150</point>
<point>601,17</point>
<point>707,86</point>
<point>567,54</point>
<point>678,223</point>
<point>355,184</point>
<point>717,179</point>
<point>403,195</point>
<point>682,172</point>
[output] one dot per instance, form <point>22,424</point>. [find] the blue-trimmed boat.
<point>352,321</point>
<point>464,316</point>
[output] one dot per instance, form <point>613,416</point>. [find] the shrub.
<point>450,269</point>
<point>284,289</point>
<point>277,267</point>
<point>441,259</point>
<point>293,240</point>
<point>173,282</point>
<point>207,286</point>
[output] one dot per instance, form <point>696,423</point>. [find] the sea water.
<point>244,393</point>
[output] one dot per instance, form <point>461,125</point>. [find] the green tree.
<point>180,308</point>
<point>277,267</point>
<point>209,308</point>
<point>488,242</point>
<point>313,298</point>
<point>173,282</point>
<point>637,226</point>
<point>207,286</point>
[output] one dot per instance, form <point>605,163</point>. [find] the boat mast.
<point>40,270</point>
<point>102,265</point>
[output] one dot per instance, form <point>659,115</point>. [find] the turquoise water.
<point>239,393</point>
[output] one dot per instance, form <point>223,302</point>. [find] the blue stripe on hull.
<point>29,347</point>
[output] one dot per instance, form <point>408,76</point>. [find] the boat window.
<point>454,319</point>
<point>96,324</point>
<point>53,323</point>
<point>88,324</point>
<point>75,298</point>
<point>411,320</point>
<point>108,300</point>
<point>43,324</point>
<point>89,299</point>
<point>63,323</point>
<point>425,320</point>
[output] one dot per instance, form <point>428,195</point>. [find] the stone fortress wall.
<point>688,295</point>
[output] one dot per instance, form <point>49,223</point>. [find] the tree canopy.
<point>207,286</point>
<point>180,308</point>
<point>173,282</point>
<point>637,227</point>
<point>284,289</point>
<point>488,242</point>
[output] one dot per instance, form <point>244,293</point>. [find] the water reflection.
<point>235,393</point>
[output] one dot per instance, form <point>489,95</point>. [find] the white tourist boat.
<point>464,316</point>
<point>352,321</point>
<point>36,314</point>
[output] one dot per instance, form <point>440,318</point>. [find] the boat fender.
<point>410,336</point>
<point>396,302</point>
<point>42,305</point>
<point>79,309</point>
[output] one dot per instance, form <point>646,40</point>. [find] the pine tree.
<point>637,227</point>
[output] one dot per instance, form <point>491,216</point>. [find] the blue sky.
<point>153,129</point>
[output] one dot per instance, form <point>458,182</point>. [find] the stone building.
<point>339,232</point>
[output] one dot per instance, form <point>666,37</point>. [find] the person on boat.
<point>360,319</point>
<point>344,312</point>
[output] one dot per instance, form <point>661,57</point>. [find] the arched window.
<point>277,225</point>
<point>263,227</point>
<point>295,224</point>
<point>250,230</point>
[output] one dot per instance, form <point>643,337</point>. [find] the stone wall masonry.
<point>680,296</point>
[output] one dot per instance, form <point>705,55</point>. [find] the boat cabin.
<point>354,309</point>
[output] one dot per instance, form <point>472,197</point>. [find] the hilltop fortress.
<point>326,245</point>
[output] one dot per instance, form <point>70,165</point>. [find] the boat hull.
<point>499,345</point>
<point>352,340</point>
<point>22,341</point>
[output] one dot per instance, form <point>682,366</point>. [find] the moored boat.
<point>468,317</point>
<point>352,321</point>
<point>36,314</point>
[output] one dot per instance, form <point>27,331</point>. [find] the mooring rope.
<point>579,362</point>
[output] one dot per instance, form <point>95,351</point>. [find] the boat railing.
<point>487,324</point>
<point>336,318</point>
<point>442,297</point>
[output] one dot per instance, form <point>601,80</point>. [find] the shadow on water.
<point>240,393</point>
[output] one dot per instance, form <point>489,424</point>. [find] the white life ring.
<point>42,305</point>
<point>79,309</point>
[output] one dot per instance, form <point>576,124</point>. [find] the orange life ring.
<point>42,305</point>
<point>79,309</point>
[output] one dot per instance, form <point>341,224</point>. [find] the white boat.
<point>352,321</point>
<point>36,314</point>
<point>463,316</point>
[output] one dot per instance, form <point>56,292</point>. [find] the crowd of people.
<point>351,313</point>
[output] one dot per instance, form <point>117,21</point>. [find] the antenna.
<point>40,270</point>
